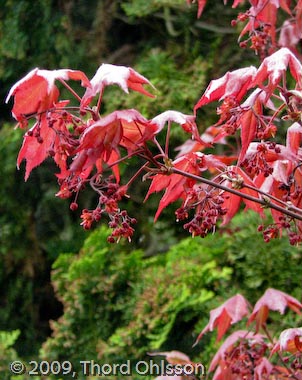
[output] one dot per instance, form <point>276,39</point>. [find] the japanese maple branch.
<point>264,203</point>
<point>133,178</point>
<point>284,204</point>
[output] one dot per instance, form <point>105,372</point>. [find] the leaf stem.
<point>70,89</point>
<point>168,139</point>
<point>98,106</point>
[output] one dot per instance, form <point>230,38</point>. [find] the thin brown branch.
<point>263,202</point>
<point>289,206</point>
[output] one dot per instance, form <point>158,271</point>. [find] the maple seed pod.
<point>243,44</point>
<point>73,206</point>
<point>113,224</point>
<point>110,239</point>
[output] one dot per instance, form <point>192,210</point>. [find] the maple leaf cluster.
<point>253,105</point>
<point>247,354</point>
<point>261,24</point>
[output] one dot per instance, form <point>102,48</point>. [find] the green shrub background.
<point>120,305</point>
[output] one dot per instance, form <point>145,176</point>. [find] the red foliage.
<point>124,77</point>
<point>37,92</point>
<point>251,104</point>
<point>272,300</point>
<point>247,354</point>
<point>289,340</point>
<point>230,312</point>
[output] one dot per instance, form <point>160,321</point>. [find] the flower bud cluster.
<point>261,40</point>
<point>242,359</point>
<point>257,162</point>
<point>260,37</point>
<point>297,362</point>
<point>273,231</point>
<point>67,128</point>
<point>207,206</point>
<point>265,131</point>
<point>270,232</point>
<point>292,192</point>
<point>90,216</point>
<point>121,225</point>
<point>229,115</point>
<point>110,193</point>
<point>226,108</point>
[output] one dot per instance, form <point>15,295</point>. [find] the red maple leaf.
<point>290,35</point>
<point>187,122</point>
<point>249,120</point>
<point>85,160</point>
<point>273,68</point>
<point>173,184</point>
<point>260,13</point>
<point>33,151</point>
<point>232,84</point>
<point>37,92</point>
<point>290,340</point>
<point>275,300</point>
<point>124,77</point>
<point>294,138</point>
<point>41,141</point>
<point>230,312</point>
<point>101,141</point>
<point>127,128</point>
